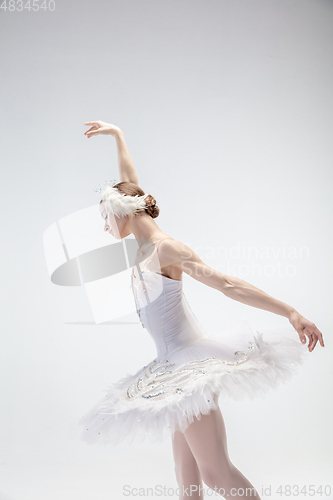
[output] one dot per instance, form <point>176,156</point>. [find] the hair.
<point>131,189</point>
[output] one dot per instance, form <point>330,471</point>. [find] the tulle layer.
<point>167,394</point>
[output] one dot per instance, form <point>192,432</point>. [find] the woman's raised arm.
<point>127,172</point>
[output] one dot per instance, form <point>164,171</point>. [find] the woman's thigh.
<point>182,453</point>
<point>207,440</point>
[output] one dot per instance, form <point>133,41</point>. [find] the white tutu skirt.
<point>167,394</point>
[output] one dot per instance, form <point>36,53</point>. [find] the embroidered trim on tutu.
<point>157,380</point>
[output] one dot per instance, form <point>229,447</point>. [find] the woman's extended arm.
<point>246,293</point>
<point>127,172</point>
<point>177,254</point>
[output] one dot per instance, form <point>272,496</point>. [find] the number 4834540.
<point>34,5</point>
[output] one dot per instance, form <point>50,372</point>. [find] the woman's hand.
<point>305,327</point>
<point>102,128</point>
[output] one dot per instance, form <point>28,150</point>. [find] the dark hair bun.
<point>131,189</point>
<point>152,209</point>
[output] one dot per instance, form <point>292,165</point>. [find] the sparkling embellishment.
<point>135,296</point>
<point>111,182</point>
<point>158,379</point>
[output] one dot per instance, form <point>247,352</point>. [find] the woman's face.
<point>113,224</point>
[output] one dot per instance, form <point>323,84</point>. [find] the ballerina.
<point>177,393</point>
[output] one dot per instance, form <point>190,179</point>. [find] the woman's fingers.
<point>91,128</point>
<point>313,335</point>
<point>301,335</point>
<point>90,123</point>
<point>320,336</point>
<point>316,335</point>
<point>313,342</point>
<point>92,131</point>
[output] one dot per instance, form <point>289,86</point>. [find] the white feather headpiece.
<point>120,203</point>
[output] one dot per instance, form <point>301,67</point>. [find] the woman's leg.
<point>207,440</point>
<point>186,468</point>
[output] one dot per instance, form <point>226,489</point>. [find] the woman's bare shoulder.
<point>172,250</point>
<point>182,258</point>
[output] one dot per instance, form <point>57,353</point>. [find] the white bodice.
<point>164,311</point>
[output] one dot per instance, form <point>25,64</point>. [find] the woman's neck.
<point>145,229</point>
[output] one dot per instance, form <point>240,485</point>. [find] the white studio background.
<point>226,107</point>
